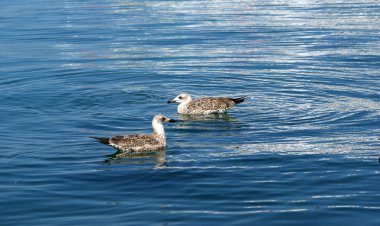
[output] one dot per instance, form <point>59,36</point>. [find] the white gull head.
<point>158,127</point>
<point>183,99</point>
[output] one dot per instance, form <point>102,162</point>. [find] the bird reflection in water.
<point>158,158</point>
<point>207,122</point>
<point>209,117</point>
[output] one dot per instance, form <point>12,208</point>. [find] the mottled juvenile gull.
<point>204,105</point>
<point>140,142</point>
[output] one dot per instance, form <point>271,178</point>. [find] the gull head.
<point>181,98</point>
<point>161,119</point>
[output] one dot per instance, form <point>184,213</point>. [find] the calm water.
<point>303,149</point>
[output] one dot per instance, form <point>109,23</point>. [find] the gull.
<point>140,142</point>
<point>204,105</point>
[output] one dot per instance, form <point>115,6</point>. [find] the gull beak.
<point>171,101</point>
<point>169,120</point>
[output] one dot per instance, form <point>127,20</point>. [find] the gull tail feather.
<point>239,99</point>
<point>104,140</point>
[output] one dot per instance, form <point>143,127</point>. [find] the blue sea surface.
<point>303,149</point>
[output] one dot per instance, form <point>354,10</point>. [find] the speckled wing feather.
<point>211,104</point>
<point>134,142</point>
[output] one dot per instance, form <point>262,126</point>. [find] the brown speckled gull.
<point>140,142</point>
<point>204,105</point>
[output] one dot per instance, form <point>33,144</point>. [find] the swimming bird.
<point>204,105</point>
<point>140,142</point>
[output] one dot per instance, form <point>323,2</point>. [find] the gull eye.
<point>180,97</point>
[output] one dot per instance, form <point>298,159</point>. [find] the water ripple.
<point>303,148</point>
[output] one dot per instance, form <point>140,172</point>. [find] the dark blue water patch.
<point>302,149</point>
